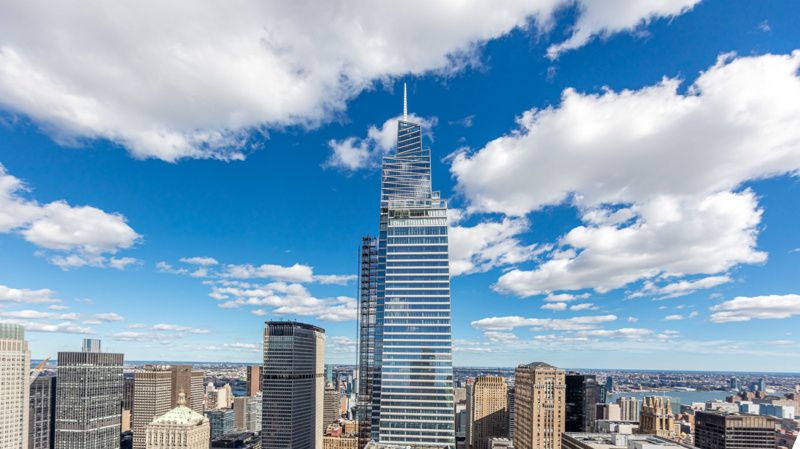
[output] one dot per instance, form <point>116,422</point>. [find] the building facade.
<point>253,380</point>
<point>179,428</point>
<point>628,408</point>
<point>331,407</point>
<point>292,384</point>
<point>582,395</point>
<point>367,303</point>
<point>222,422</point>
<point>190,382</point>
<point>88,400</point>
<point>15,361</point>
<point>488,411</point>
<point>41,413</point>
<point>413,385</point>
<point>247,410</point>
<point>511,421</point>
<point>656,417</point>
<point>719,430</point>
<point>152,397</point>
<point>539,406</point>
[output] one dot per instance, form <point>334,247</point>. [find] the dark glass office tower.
<point>292,383</point>
<point>582,394</point>
<point>413,388</point>
<point>367,301</point>
<point>88,400</point>
<point>41,414</point>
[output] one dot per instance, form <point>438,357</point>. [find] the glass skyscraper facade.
<point>412,382</point>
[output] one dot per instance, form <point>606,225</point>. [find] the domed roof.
<point>181,415</point>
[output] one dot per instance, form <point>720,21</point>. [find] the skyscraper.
<point>222,421</point>
<point>190,382</point>
<point>488,410</point>
<point>718,430</point>
<point>15,361</point>
<point>253,379</point>
<point>511,421</point>
<point>581,395</point>
<point>152,397</point>
<point>367,302</point>
<point>90,345</point>
<point>88,400</point>
<point>413,385</point>
<point>292,383</point>
<point>539,406</point>
<point>41,415</point>
<point>330,412</point>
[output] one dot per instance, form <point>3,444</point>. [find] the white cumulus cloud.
<point>190,78</point>
<point>744,308</point>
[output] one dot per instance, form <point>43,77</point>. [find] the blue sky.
<point>623,180</point>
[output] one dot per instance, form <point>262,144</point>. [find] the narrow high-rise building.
<point>42,413</point>
<point>253,380</point>
<point>539,406</point>
<point>152,397</point>
<point>15,361</point>
<point>330,412</point>
<point>488,410</point>
<point>190,382</point>
<point>179,428</point>
<point>628,408</point>
<point>367,302</point>
<point>511,420</point>
<point>88,400</point>
<point>582,394</point>
<point>413,388</point>
<point>719,430</point>
<point>292,384</point>
<point>656,417</point>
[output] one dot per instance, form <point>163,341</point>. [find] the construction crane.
<point>38,370</point>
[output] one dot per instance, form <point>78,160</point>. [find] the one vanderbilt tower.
<point>413,374</point>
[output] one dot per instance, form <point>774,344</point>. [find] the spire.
<point>182,398</point>
<point>405,103</point>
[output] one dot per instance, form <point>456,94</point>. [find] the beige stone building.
<point>15,361</point>
<point>488,410</point>
<point>180,428</point>
<point>190,383</point>
<point>656,417</point>
<point>539,405</point>
<point>339,442</point>
<point>152,397</point>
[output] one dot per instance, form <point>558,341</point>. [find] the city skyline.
<point>585,228</point>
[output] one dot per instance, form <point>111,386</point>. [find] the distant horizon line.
<point>53,361</point>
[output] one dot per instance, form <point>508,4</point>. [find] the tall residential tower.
<point>413,372</point>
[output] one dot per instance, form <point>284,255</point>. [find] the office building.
<point>581,395</point>
<point>90,345</point>
<point>413,331</point>
<point>253,380</point>
<point>339,442</point>
<point>501,443</point>
<point>539,406</point>
<point>488,411</point>
<point>656,417</point>
<point>152,397</point>
<point>238,440</point>
<point>247,411</point>
<point>292,384</point>
<point>511,423</point>
<point>367,302</point>
<point>609,385</point>
<point>41,413</point>
<point>179,428</point>
<point>331,406</point>
<point>617,441</point>
<point>89,399</point>
<point>628,408</point>
<point>14,389</point>
<point>328,373</point>
<point>221,421</point>
<point>778,411</point>
<point>190,382</point>
<point>720,430</point>
<point>15,361</point>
